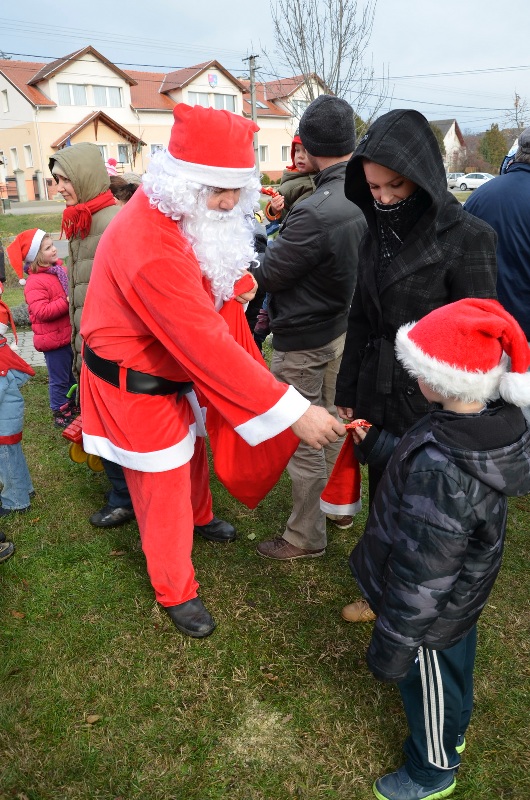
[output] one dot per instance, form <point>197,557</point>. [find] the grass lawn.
<point>11,224</point>
<point>103,699</point>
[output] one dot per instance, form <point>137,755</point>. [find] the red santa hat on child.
<point>6,319</point>
<point>23,249</point>
<point>296,140</point>
<point>212,147</point>
<point>459,350</point>
<point>110,165</point>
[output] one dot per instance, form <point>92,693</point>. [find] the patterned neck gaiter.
<point>394,223</point>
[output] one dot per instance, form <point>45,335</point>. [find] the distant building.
<point>279,106</point>
<point>84,97</point>
<point>455,146</point>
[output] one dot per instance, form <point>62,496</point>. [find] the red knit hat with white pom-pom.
<point>460,350</point>
<point>110,166</point>
<point>23,249</point>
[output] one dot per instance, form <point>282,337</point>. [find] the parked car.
<point>453,179</point>
<point>473,180</point>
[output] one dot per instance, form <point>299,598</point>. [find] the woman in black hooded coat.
<point>421,251</point>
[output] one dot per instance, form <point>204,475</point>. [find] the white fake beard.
<point>223,241</point>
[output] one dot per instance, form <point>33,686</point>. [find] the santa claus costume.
<point>154,340</point>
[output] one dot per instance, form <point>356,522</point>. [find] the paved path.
<point>26,349</point>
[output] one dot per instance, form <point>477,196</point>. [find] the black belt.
<point>135,382</point>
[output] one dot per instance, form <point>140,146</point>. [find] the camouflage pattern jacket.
<point>433,542</point>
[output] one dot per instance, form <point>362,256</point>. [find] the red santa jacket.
<point>148,309</point>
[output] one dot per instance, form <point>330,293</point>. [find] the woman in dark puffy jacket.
<point>46,293</point>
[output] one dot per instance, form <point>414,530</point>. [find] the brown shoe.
<point>282,550</point>
<point>359,611</point>
<point>343,522</point>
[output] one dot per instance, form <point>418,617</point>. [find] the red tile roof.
<point>270,110</point>
<point>147,93</point>
<point>19,73</point>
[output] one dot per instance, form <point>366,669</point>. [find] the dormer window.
<point>71,94</point>
<point>109,96</point>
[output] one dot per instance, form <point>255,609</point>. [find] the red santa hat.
<point>6,318</point>
<point>23,249</point>
<point>296,140</point>
<point>459,350</point>
<point>342,494</point>
<point>110,165</point>
<point>213,147</point>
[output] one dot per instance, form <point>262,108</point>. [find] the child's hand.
<point>358,429</point>
<point>277,203</point>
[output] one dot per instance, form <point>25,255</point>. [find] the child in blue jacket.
<point>17,487</point>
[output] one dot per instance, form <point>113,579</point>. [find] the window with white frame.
<point>225,101</point>
<point>198,99</point>
<point>264,152</point>
<point>123,153</point>
<point>28,155</point>
<point>107,96</point>
<point>71,94</point>
<point>5,101</point>
<point>14,158</point>
<point>286,152</point>
<point>155,148</point>
<point>299,106</point>
<point>103,151</point>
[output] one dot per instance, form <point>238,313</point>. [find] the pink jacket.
<point>48,310</point>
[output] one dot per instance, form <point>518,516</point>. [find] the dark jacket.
<point>294,186</point>
<point>311,267</point>
<point>448,255</point>
<point>433,542</point>
<point>504,203</point>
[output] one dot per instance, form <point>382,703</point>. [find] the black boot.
<point>192,618</point>
<point>216,531</point>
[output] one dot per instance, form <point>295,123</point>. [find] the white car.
<point>453,179</point>
<point>473,180</point>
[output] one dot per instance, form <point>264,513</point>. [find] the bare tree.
<point>329,39</point>
<point>516,117</point>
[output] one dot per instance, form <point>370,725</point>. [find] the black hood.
<point>402,141</point>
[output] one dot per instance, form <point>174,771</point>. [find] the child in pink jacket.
<point>46,293</point>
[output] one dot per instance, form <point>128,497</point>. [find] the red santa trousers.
<point>167,505</point>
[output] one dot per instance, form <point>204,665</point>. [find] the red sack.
<point>248,473</point>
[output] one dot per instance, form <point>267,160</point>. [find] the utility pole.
<point>252,74</point>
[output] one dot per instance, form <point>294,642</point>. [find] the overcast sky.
<point>482,41</point>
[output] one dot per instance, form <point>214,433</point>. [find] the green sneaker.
<point>460,743</point>
<point>400,786</point>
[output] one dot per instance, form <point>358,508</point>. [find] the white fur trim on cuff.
<point>446,379</point>
<point>287,410</point>
<point>345,510</point>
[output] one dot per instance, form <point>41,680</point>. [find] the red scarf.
<point>78,219</point>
